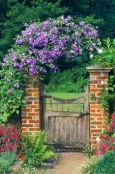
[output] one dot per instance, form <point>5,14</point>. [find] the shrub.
<point>7,159</point>
<point>67,81</point>
<point>36,150</point>
<point>107,164</point>
<point>89,166</point>
<point>9,139</point>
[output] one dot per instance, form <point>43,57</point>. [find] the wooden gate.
<point>66,120</point>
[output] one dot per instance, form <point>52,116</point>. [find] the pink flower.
<point>112,140</point>
<point>104,137</point>
<point>100,152</point>
<point>104,147</point>
<point>113,148</point>
<point>113,116</point>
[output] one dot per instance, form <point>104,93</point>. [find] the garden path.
<point>69,163</point>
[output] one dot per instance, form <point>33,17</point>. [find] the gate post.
<point>98,79</point>
<point>30,111</point>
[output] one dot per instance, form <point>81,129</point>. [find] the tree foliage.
<point>14,13</point>
<point>18,12</point>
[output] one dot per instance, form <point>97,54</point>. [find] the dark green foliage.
<point>107,164</point>
<point>20,12</point>
<point>103,11</point>
<point>72,80</point>
<point>7,159</point>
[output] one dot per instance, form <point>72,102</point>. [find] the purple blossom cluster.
<point>41,44</point>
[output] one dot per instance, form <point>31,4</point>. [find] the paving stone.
<point>69,163</point>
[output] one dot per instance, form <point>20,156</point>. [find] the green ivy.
<point>107,58</point>
<point>12,85</point>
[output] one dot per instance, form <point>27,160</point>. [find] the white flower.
<point>102,82</point>
<point>98,140</point>
<point>100,51</point>
<point>91,56</point>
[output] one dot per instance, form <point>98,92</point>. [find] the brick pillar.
<point>31,109</point>
<point>98,79</point>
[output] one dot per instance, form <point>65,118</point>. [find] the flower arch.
<point>41,44</point>
<point>36,50</point>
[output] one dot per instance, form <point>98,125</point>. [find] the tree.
<point>19,12</point>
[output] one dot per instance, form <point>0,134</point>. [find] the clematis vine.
<point>37,50</point>
<point>40,45</point>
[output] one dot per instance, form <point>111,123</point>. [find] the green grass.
<point>60,106</point>
<point>65,95</point>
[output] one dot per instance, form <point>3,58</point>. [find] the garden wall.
<point>31,110</point>
<point>31,121</point>
<point>98,115</point>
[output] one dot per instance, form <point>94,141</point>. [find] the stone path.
<point>69,163</point>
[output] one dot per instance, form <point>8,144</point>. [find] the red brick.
<point>100,118</point>
<point>34,129</point>
<point>27,110</point>
<point>27,117</point>
<point>97,114</point>
<point>99,86</point>
<point>33,114</point>
<point>27,125</point>
<point>98,94</point>
<point>28,95</point>
<point>99,126</point>
<point>95,73</point>
<point>34,106</point>
<point>94,90</point>
<point>36,102</point>
<point>94,106</point>
<point>24,121</point>
<point>24,129</point>
<point>36,110</point>
<point>95,130</point>
<point>28,102</point>
<point>96,122</point>
<point>34,121</point>
<point>103,78</point>
<point>93,110</point>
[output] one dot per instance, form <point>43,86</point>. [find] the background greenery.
<point>70,81</point>
<point>14,13</point>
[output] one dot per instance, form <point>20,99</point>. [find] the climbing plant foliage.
<point>37,50</point>
<point>107,58</point>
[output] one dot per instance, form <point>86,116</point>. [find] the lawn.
<point>54,105</point>
<point>65,95</point>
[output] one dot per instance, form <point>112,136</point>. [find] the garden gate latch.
<point>83,114</point>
